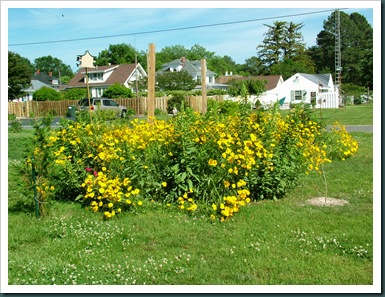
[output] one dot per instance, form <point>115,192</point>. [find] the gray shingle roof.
<point>317,78</point>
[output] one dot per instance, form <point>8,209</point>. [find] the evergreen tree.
<point>283,50</point>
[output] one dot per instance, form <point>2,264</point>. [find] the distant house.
<point>101,77</point>
<point>38,81</point>
<point>307,88</point>
<point>194,69</point>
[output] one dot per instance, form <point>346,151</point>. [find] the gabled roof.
<point>44,78</point>
<point>120,74</point>
<point>272,81</point>
<point>36,85</point>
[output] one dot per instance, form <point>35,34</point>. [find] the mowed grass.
<point>287,242</point>
<point>349,115</point>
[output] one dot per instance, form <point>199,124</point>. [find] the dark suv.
<point>103,104</point>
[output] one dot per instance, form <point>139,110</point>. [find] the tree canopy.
<point>117,91</point>
<point>122,53</point>
<point>177,80</point>
<point>356,49</point>
<point>49,64</point>
<point>20,71</point>
<point>46,93</point>
<point>283,51</point>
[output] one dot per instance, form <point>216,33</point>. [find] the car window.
<point>106,102</point>
<point>96,102</point>
<point>113,103</point>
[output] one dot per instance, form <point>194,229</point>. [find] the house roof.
<point>318,78</point>
<point>120,74</point>
<point>35,85</point>
<point>272,81</point>
<point>44,78</point>
<point>192,67</point>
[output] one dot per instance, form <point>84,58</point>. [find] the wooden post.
<point>151,82</point>
<point>88,96</point>
<point>203,74</point>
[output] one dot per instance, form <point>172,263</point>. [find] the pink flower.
<point>95,173</point>
<point>88,169</point>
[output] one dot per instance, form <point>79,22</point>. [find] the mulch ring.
<point>326,201</point>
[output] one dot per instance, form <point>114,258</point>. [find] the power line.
<point>172,29</point>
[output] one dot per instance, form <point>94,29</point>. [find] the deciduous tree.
<point>49,64</point>
<point>177,80</point>
<point>20,71</point>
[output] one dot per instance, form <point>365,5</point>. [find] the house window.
<point>297,95</point>
<point>98,92</point>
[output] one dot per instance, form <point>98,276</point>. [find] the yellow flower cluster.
<point>163,159</point>
<point>231,204</point>
<point>108,194</point>
<point>187,203</point>
<point>345,143</point>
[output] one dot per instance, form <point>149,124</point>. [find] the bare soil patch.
<point>329,201</point>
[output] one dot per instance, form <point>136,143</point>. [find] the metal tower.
<point>338,66</point>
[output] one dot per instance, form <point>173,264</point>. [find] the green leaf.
<point>80,196</point>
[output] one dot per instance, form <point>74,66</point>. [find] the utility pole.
<point>151,82</point>
<point>203,74</point>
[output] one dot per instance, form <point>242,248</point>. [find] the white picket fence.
<point>328,100</point>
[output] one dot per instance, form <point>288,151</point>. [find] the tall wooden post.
<point>151,82</point>
<point>203,74</point>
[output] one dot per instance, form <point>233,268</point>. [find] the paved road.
<point>359,128</point>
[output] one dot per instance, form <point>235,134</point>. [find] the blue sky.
<point>56,20</point>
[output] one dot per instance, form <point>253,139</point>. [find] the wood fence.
<point>60,108</point>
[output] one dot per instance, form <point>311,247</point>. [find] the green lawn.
<point>287,242</point>
<point>349,115</point>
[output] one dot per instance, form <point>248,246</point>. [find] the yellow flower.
<point>214,207</point>
<point>110,205</point>
<point>140,203</point>
<point>227,184</point>
<point>164,184</point>
<point>213,162</point>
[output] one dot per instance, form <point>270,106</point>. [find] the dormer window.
<point>96,76</point>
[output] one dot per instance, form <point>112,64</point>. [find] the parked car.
<point>102,104</point>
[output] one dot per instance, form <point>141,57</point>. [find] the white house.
<point>101,77</point>
<point>307,88</point>
<point>38,81</point>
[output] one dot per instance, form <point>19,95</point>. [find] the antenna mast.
<point>338,66</point>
